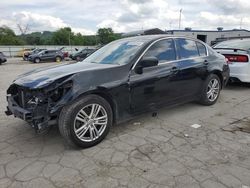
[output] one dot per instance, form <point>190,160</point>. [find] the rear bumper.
<point>225,74</point>
<point>240,71</point>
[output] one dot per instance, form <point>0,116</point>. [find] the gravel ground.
<point>161,151</point>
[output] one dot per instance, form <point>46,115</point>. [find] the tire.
<point>58,59</point>
<point>210,98</point>
<point>68,124</point>
<point>37,60</point>
<point>78,58</point>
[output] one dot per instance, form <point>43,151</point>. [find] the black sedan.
<point>82,54</point>
<point>2,58</point>
<point>117,82</point>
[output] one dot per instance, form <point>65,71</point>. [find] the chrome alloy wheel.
<point>213,90</point>
<point>90,122</point>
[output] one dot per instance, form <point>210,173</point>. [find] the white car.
<point>237,53</point>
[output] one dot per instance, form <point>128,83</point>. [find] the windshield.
<point>117,52</point>
<point>41,52</point>
<point>237,44</point>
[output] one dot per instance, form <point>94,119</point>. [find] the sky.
<point>86,16</point>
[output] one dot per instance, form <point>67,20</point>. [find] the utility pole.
<point>69,38</point>
<point>170,25</point>
<point>180,19</point>
<point>241,23</point>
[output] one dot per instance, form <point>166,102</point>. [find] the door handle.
<point>205,62</point>
<point>174,70</point>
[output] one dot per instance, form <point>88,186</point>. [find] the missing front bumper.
<point>39,121</point>
<point>17,111</point>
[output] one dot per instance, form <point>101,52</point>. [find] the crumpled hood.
<point>42,77</point>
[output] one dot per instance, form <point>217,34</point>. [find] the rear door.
<point>52,54</point>
<point>46,55</point>
<point>192,66</point>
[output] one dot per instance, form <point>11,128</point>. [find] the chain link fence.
<point>17,51</point>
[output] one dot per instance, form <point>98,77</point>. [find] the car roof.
<point>237,40</point>
<point>240,44</point>
<point>149,38</point>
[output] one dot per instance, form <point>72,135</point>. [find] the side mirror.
<point>146,62</point>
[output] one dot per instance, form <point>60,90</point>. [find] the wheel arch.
<point>105,95</point>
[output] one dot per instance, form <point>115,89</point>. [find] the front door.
<point>155,85</point>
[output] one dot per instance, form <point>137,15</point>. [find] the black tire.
<point>69,113</point>
<point>204,100</point>
<point>37,60</point>
<point>58,59</point>
<point>78,58</point>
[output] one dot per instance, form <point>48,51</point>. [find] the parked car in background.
<point>2,58</point>
<point>22,51</point>
<point>82,54</point>
<point>117,82</point>
<point>47,55</point>
<point>26,54</point>
<point>238,54</point>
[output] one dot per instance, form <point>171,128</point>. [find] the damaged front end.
<point>40,107</point>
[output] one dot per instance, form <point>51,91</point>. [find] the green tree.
<point>78,39</point>
<point>8,37</point>
<point>107,35</point>
<point>63,36</point>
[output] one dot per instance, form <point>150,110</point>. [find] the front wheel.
<point>86,122</point>
<point>37,60</point>
<point>78,58</point>
<point>210,90</point>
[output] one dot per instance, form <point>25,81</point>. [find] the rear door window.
<point>186,48</point>
<point>164,50</point>
<point>202,49</point>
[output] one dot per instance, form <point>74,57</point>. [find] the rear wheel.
<point>210,90</point>
<point>58,59</point>
<point>86,122</point>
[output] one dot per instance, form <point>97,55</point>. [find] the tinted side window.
<point>202,49</point>
<point>187,48</point>
<point>164,50</point>
<point>49,53</point>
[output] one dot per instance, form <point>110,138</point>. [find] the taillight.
<point>237,58</point>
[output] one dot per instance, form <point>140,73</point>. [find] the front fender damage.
<point>40,107</point>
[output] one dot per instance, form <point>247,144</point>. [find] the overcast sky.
<point>86,16</point>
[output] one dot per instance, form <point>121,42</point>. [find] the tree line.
<point>63,36</point>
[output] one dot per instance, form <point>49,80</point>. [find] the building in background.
<point>212,37</point>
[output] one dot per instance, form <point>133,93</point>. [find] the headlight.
<point>59,92</point>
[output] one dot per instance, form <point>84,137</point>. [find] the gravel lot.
<point>161,151</point>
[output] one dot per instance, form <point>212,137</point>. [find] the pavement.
<point>162,151</point>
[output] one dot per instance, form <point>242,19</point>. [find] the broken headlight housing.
<point>56,94</point>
